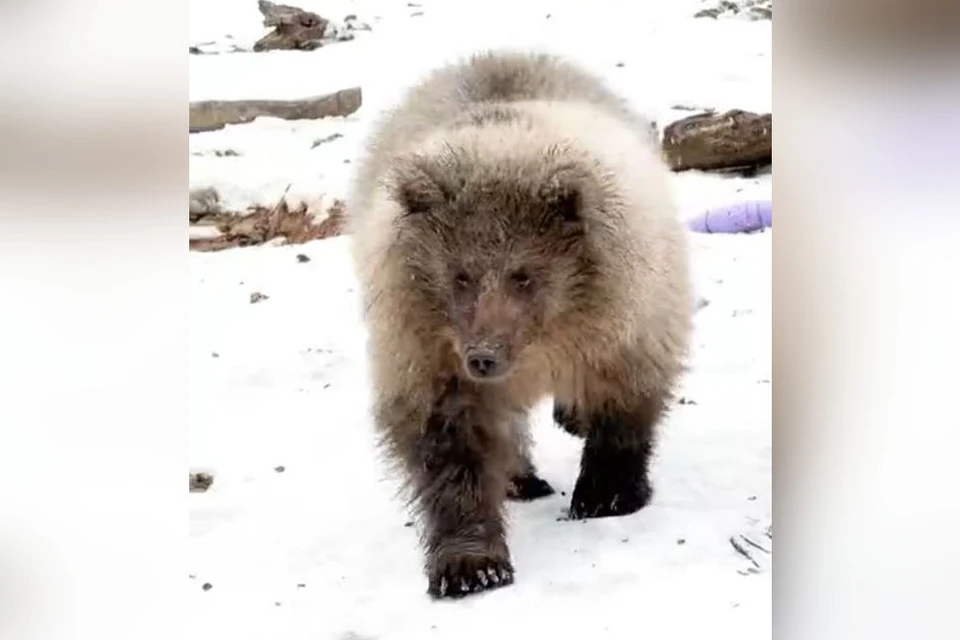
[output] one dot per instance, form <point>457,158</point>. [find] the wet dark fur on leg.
<point>460,490</point>
<point>614,465</point>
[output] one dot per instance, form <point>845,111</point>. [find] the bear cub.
<point>515,237</point>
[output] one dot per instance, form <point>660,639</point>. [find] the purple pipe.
<point>743,217</point>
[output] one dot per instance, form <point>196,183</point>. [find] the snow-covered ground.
<point>300,535</point>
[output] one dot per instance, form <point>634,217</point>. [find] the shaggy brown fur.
<point>515,237</point>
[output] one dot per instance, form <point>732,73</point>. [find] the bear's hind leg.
<point>565,416</point>
<point>528,486</point>
<point>525,483</point>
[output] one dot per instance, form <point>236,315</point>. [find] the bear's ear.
<point>562,194</point>
<point>413,188</point>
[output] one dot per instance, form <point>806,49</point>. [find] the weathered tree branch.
<point>209,115</point>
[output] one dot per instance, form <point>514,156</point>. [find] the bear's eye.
<point>520,279</point>
<point>462,280</point>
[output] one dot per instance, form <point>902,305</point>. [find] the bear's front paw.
<point>460,576</point>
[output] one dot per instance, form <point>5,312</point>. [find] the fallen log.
<point>734,139</point>
<point>210,115</point>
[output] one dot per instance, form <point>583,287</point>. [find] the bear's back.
<point>449,92</point>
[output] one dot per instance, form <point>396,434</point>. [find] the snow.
<point>301,535</point>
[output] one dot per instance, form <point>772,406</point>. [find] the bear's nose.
<point>483,363</point>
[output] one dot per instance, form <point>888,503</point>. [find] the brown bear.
<point>515,237</point>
